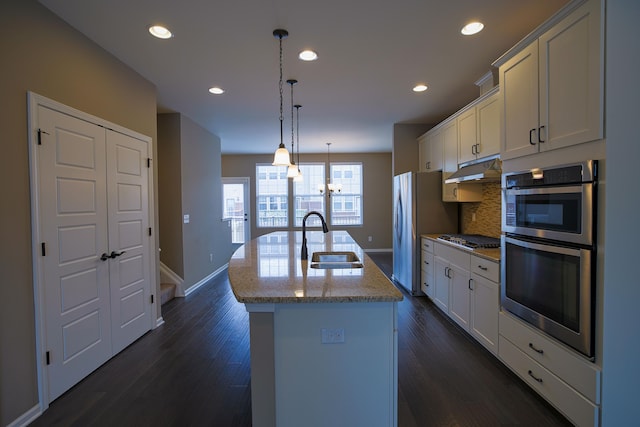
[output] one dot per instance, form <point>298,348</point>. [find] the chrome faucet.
<point>304,254</point>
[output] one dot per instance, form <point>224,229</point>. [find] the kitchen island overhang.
<point>323,341</point>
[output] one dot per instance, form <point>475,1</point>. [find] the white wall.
<point>621,358</point>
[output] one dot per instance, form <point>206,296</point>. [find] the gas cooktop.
<point>471,241</point>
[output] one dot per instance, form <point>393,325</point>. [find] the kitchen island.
<point>323,340</point>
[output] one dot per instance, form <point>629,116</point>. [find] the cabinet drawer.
<point>485,268</point>
<point>427,245</point>
<point>568,401</point>
<point>459,257</point>
<point>581,374</point>
<point>427,262</point>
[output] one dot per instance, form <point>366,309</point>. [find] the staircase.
<point>167,292</point>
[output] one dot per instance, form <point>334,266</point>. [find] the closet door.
<point>74,232</point>
<point>128,207</point>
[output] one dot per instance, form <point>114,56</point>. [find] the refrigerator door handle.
<point>399,218</point>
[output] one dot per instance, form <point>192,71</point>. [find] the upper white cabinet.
<point>430,151</point>
<point>479,129</point>
<point>552,89</point>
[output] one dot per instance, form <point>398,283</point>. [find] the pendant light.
<point>281,157</point>
<point>292,171</point>
<point>299,177</point>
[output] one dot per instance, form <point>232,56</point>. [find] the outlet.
<point>210,257</point>
<point>332,336</point>
<point>371,238</point>
<point>473,217</point>
<point>186,218</point>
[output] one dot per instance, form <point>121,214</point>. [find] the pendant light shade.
<point>281,157</point>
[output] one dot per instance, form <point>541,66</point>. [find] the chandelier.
<point>332,187</point>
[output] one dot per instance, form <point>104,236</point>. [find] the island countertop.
<point>268,269</point>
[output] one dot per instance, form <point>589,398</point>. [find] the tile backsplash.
<point>487,213</point>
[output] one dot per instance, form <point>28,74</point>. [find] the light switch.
<point>186,219</point>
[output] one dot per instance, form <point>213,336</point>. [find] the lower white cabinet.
<point>467,289</point>
<point>568,381</point>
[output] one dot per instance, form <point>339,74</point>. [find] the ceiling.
<point>371,54</point>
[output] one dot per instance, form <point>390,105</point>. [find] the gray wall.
<point>377,190</point>
<point>621,372</point>
<point>43,54</point>
<point>189,178</point>
<point>170,181</point>
<point>405,147</point>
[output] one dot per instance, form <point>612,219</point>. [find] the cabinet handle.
<point>534,377</point>
<point>477,148</point>
<point>470,287</point>
<point>531,141</point>
<point>540,134</point>
<point>473,149</point>
<point>482,268</point>
<point>446,272</point>
<point>537,350</point>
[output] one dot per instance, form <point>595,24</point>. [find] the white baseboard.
<point>159,321</point>
<point>169,276</point>
<point>26,418</point>
<point>195,286</point>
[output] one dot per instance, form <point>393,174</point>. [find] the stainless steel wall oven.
<point>549,251</point>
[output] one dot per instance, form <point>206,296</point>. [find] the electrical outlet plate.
<point>332,336</point>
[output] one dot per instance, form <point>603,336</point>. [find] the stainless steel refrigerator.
<point>417,209</point>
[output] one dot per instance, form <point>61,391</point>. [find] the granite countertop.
<point>268,269</point>
<point>490,254</point>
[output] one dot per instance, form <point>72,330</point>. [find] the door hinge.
<point>148,162</point>
<point>40,132</point>
<point>151,298</point>
<point>48,358</point>
<point>149,231</point>
<point>43,248</point>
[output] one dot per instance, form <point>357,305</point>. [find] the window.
<point>272,195</point>
<point>346,206</point>
<point>306,196</point>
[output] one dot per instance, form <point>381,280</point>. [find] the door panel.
<point>127,181</point>
<point>73,226</point>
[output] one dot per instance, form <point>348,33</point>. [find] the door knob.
<point>104,257</point>
<point>115,254</point>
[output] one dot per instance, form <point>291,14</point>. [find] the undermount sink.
<point>335,260</point>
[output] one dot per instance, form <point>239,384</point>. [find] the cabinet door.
<point>423,153</point>
<point>519,89</point>
<point>450,160</point>
<point>441,280</point>
<point>485,308</point>
<point>488,112</point>
<point>436,149</point>
<point>571,79</point>
<point>459,296</point>
<point>467,135</point>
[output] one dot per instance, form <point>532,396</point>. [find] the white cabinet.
<point>479,129</point>
<point>568,381</point>
<point>426,269</point>
<point>430,151</point>
<point>463,192</point>
<point>485,302</point>
<point>452,282</point>
<point>552,89</point>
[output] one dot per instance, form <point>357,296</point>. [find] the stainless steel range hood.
<point>483,171</point>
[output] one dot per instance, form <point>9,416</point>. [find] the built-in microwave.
<point>549,251</point>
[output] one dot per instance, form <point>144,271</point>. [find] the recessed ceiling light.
<point>472,28</point>
<point>216,90</point>
<point>308,55</point>
<point>160,32</point>
<point>420,88</point>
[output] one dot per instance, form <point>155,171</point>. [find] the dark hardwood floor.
<point>194,371</point>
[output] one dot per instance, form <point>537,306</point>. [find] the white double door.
<point>93,223</point>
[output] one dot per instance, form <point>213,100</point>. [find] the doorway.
<point>235,208</point>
